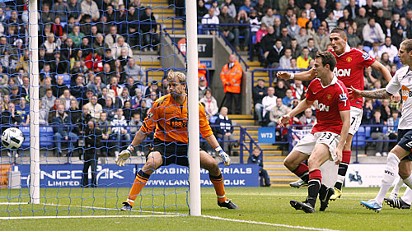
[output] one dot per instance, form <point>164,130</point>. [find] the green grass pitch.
<point>166,209</point>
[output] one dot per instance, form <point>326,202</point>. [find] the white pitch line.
<point>267,223</point>
<point>80,216</point>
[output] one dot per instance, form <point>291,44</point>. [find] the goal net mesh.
<point>100,65</point>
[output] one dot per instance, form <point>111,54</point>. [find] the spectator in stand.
<point>277,112</point>
<point>268,102</point>
<point>284,62</point>
<point>280,88</point>
<point>135,123</point>
<point>66,97</point>
<point>115,87</point>
<point>76,35</point>
<point>9,117</point>
<point>353,38</point>
<point>23,110</point>
<point>372,32</point>
<point>308,119</point>
<point>399,8</point>
<point>78,90</point>
<point>119,46</point>
<point>154,87</point>
<point>90,7</point>
<point>231,8</point>
<point>375,52</point>
<point>125,97</point>
<point>353,9</point>
<point>148,27</point>
<point>259,92</point>
<point>303,19</point>
<point>385,110</point>
<point>389,48</point>
<point>94,108</point>
<point>393,123</point>
<point>229,31</point>
<point>298,89</point>
<point>304,59</point>
<point>367,112</point>
<point>254,23</point>
<point>295,47</point>
<point>321,38</point>
<point>231,76</point>
<point>62,128</point>
<point>48,99</point>
<point>244,30</point>
<point>120,131</point>
<point>274,54</point>
<point>287,100</point>
<point>93,61</point>
<point>332,21</point>
<point>111,38</point>
<point>293,27</point>
<point>151,98</point>
<point>210,22</point>
<point>224,131</point>
<point>74,112</point>
<point>135,71</point>
<point>210,103</point>
<point>202,87</point>
<point>201,71</point>
<point>302,37</point>
<point>266,42</point>
<point>268,18</point>
<point>377,133</point>
<point>257,158</point>
<point>362,19</point>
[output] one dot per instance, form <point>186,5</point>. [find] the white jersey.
<point>402,80</point>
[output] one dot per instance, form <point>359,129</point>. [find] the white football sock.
<point>397,187</point>
<point>407,196</point>
<point>408,181</point>
<point>391,172</point>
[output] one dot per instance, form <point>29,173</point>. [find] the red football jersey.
<point>350,68</point>
<point>331,100</point>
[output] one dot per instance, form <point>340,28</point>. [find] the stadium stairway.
<point>273,154</point>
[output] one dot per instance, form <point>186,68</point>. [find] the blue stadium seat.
<point>46,137</point>
<point>367,132</point>
<point>359,138</point>
<point>26,134</point>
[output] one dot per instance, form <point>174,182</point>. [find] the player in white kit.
<point>398,161</point>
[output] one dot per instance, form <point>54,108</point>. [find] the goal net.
<point>74,68</point>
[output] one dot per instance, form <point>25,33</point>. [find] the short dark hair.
<point>339,31</point>
<point>327,58</point>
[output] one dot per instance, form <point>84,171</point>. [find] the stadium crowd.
<point>87,68</point>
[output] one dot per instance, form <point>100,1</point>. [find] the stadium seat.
<point>359,138</point>
<point>46,138</point>
<point>367,132</point>
<point>26,135</point>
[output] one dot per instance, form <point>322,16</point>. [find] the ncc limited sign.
<point>267,135</point>
<point>110,175</point>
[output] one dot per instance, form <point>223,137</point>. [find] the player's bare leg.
<point>294,162</point>
<point>215,175</point>
<point>154,161</point>
<point>320,155</point>
<point>343,168</point>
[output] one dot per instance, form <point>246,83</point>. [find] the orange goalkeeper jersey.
<point>170,119</point>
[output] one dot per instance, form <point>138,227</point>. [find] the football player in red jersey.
<point>350,65</point>
<point>328,135</point>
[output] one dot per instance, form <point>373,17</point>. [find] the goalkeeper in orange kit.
<point>168,116</point>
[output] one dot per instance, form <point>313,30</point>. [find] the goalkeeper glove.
<point>225,157</point>
<point>124,156</point>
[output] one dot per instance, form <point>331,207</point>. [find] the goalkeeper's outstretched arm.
<point>215,145</point>
<point>125,154</point>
